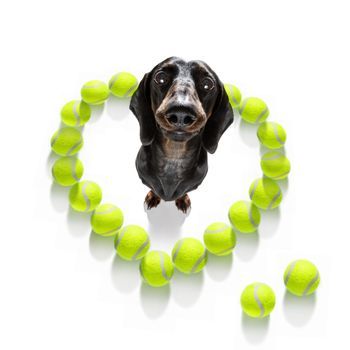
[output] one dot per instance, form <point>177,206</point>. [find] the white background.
<point>61,286</point>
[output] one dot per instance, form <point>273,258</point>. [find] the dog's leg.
<point>183,203</point>
<point>151,200</point>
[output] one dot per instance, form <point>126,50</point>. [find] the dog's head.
<point>182,99</point>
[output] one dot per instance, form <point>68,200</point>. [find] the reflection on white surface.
<point>78,223</point>
<point>154,301</point>
<point>59,197</point>
<point>254,329</point>
<point>117,108</point>
<point>125,275</point>
<point>219,267</point>
<point>186,289</point>
<point>298,311</point>
<point>270,220</point>
<point>247,245</point>
<point>101,248</point>
<point>247,132</point>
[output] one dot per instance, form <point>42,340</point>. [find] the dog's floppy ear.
<point>140,105</point>
<point>218,122</point>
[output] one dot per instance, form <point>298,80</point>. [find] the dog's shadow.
<point>165,222</point>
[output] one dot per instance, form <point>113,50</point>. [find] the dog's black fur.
<point>183,110</point>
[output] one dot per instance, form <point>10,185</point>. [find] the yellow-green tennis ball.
<point>271,135</point>
<point>67,141</point>
<point>106,220</point>
<point>67,170</point>
<point>253,110</point>
<point>85,196</point>
<point>189,255</point>
<point>275,165</point>
<point>244,216</point>
<point>265,193</point>
<point>123,84</point>
<point>301,277</point>
<point>258,300</point>
<point>156,268</point>
<point>233,94</point>
<point>219,239</point>
<point>94,92</point>
<point>132,242</point>
<point>75,113</point>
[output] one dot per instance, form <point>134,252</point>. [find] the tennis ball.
<point>132,242</point>
<point>258,300</point>
<point>94,92</point>
<point>123,84</point>
<point>106,220</point>
<point>233,94</point>
<point>301,277</point>
<point>67,141</point>
<point>253,110</point>
<point>219,239</point>
<point>75,113</point>
<point>271,135</point>
<point>265,193</point>
<point>67,171</point>
<point>275,165</point>
<point>156,268</point>
<point>85,196</point>
<point>244,216</point>
<point>189,255</point>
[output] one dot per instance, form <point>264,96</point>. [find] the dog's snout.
<point>180,119</point>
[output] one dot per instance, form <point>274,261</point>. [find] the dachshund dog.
<point>183,110</point>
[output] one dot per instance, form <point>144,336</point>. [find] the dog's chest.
<point>175,160</point>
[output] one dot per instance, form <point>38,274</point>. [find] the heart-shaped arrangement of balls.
<point>189,255</point>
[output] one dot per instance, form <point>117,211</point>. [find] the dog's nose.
<point>180,119</point>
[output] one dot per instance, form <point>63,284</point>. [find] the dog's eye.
<point>207,84</point>
<point>161,78</point>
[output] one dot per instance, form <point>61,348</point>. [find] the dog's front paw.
<point>151,200</point>
<point>183,203</point>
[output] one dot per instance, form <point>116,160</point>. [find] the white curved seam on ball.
<point>274,199</point>
<point>225,227</point>
<point>251,219</point>
<point>110,231</point>
<point>92,86</point>
<point>76,114</point>
<point>177,250</point>
<point>274,126</point>
<point>230,87</point>
<point>131,89</point>
<point>111,83</point>
<point>260,305</point>
<point>69,152</point>
<point>161,256</point>
<point>56,137</point>
<point>261,115</point>
<point>194,268</point>
<point>276,156</point>
<point>107,211</point>
<point>290,270</point>
<point>310,284</point>
<point>278,177</point>
<point>140,249</point>
<point>242,107</point>
<point>86,198</point>
<point>252,192</point>
<point>226,250</point>
<point>98,101</point>
<point>121,234</point>
<point>74,170</point>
